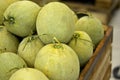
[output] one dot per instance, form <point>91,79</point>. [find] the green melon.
<point>55,19</point>
<point>28,74</point>
<point>9,63</point>
<point>8,42</point>
<point>82,44</point>
<point>75,16</point>
<point>58,62</point>
<point>28,49</point>
<point>92,26</point>
<point>3,6</point>
<point>20,17</point>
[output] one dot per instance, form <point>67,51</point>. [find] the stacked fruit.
<point>45,43</point>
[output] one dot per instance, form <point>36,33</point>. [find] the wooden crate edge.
<point>96,55</point>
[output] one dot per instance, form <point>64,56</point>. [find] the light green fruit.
<point>55,19</point>
<point>58,62</point>
<point>20,17</point>
<point>92,26</point>
<point>28,49</point>
<point>75,16</point>
<point>9,63</point>
<point>3,6</point>
<point>8,42</point>
<point>82,44</point>
<point>28,74</point>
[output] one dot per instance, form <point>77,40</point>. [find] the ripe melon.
<point>28,49</point>
<point>58,62</point>
<point>20,17</point>
<point>28,74</point>
<point>75,16</point>
<point>3,6</point>
<point>92,26</point>
<point>8,42</point>
<point>82,44</point>
<point>9,63</point>
<point>55,19</point>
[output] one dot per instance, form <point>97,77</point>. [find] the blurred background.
<point>115,22</point>
<point>108,11</point>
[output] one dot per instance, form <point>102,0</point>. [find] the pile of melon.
<point>45,43</point>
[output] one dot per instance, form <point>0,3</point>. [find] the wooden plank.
<point>108,73</point>
<point>88,69</point>
<point>108,62</point>
<point>102,65</point>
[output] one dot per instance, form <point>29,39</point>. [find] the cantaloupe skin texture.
<point>3,6</point>
<point>55,19</point>
<point>28,74</point>
<point>9,63</point>
<point>20,17</point>
<point>28,49</point>
<point>82,44</point>
<point>92,26</point>
<point>8,42</point>
<point>58,62</point>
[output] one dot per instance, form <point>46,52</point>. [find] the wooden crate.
<point>99,65</point>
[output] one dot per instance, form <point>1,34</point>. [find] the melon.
<point>10,63</point>
<point>20,17</point>
<point>58,62</point>
<point>82,44</point>
<point>8,42</point>
<point>74,16</point>
<point>55,19</point>
<point>92,26</point>
<point>28,49</point>
<point>28,74</point>
<point>3,6</point>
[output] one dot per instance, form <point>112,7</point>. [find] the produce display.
<point>45,42</point>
